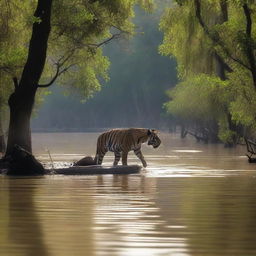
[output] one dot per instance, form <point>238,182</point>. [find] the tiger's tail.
<point>96,159</point>
<point>100,152</point>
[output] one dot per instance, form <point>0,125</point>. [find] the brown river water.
<point>192,199</point>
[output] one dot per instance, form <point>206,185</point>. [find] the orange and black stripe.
<point>121,141</point>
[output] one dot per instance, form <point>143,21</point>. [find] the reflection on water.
<point>178,206</point>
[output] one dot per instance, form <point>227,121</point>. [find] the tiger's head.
<point>153,138</point>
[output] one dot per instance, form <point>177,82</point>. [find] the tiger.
<point>121,141</point>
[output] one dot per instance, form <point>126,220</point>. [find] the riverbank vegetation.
<point>214,44</point>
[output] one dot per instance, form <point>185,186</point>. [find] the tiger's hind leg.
<point>99,157</point>
<point>124,158</point>
<point>117,157</point>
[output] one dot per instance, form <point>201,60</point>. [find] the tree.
<point>200,100</point>
<point>223,30</point>
<point>74,31</point>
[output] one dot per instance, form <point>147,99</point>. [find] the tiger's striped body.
<point>121,141</point>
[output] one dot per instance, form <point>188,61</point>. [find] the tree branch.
<point>224,10</point>
<point>5,69</point>
<point>106,41</point>
<point>249,41</point>
<point>225,65</point>
<point>249,49</point>
<point>247,14</point>
<point>57,74</point>
<point>114,36</point>
<point>52,80</point>
<point>62,60</point>
<point>8,69</point>
<point>15,82</point>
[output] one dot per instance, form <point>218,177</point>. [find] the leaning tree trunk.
<point>22,100</point>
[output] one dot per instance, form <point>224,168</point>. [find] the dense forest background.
<point>189,64</point>
<point>134,95</point>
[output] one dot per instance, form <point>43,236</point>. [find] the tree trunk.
<point>19,127</point>
<point>22,100</point>
<point>249,43</point>
<point>2,137</point>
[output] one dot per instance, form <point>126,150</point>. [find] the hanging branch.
<point>249,40</point>
<point>215,37</point>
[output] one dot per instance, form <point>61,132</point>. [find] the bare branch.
<point>63,59</point>
<point>114,36</point>
<point>66,69</point>
<point>57,74</point>
<point>106,41</point>
<point>52,80</point>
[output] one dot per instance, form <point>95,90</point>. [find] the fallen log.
<point>96,170</point>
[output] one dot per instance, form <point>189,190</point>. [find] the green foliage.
<point>200,97</point>
<point>184,39</point>
<point>83,77</point>
<point>79,28</point>
<point>195,46</point>
<point>243,106</point>
<point>226,135</point>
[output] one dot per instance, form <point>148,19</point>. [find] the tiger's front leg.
<point>124,158</point>
<point>139,154</point>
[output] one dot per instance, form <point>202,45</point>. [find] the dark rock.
<point>88,160</point>
<point>23,162</point>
